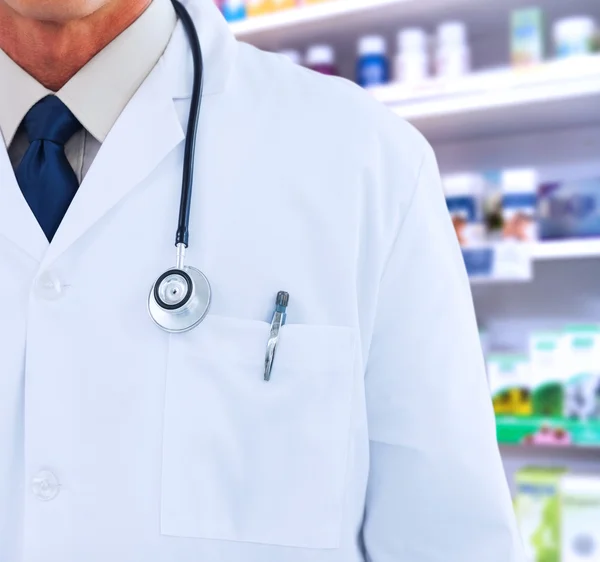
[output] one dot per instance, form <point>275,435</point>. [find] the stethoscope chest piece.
<point>180,299</point>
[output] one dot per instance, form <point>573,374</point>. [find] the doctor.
<point>373,439</point>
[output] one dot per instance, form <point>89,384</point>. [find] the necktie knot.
<point>50,120</point>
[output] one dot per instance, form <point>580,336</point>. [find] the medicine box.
<point>581,352</point>
<point>537,507</point>
<point>569,209</point>
<point>547,373</point>
<point>510,384</point>
<point>527,37</point>
<point>580,518</point>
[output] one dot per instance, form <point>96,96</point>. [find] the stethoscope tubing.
<point>182,235</point>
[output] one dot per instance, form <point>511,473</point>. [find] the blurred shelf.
<point>551,95</point>
<point>546,432</point>
<point>333,19</point>
<point>309,15</point>
<point>336,21</point>
<point>502,263</point>
<point>577,459</point>
<point>567,249</point>
<point>480,280</point>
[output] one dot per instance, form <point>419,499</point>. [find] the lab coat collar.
<point>149,127</point>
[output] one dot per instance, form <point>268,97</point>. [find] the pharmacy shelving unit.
<point>547,117</point>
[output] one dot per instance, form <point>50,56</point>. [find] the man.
<point>373,439</point>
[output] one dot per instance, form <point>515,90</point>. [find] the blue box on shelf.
<point>479,262</point>
<point>569,209</point>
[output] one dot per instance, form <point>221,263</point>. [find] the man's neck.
<point>54,52</point>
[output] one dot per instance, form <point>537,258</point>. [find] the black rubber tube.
<point>182,236</point>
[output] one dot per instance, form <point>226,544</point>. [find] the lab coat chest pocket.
<point>251,461</point>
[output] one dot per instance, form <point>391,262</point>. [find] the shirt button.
<point>45,486</point>
<point>48,286</point>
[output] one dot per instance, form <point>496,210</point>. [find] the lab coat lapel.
<point>17,223</point>
<point>145,133</point>
<point>149,128</point>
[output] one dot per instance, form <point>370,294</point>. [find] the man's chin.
<point>55,11</point>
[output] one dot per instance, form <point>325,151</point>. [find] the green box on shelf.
<point>537,507</point>
<point>548,374</point>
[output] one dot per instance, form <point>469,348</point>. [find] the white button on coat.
<point>45,486</point>
<point>48,286</point>
<point>375,438</point>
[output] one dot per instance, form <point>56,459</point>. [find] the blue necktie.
<point>44,175</point>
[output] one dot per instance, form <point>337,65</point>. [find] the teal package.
<point>569,209</point>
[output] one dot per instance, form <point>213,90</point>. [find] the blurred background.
<point>508,94</point>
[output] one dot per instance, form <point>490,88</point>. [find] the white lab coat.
<point>374,439</point>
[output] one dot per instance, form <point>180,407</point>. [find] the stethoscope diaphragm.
<point>180,299</point>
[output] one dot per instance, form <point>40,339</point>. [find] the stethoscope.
<point>180,298</point>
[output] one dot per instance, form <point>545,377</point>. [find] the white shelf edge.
<point>554,81</point>
<point>567,249</point>
<point>547,251</point>
<point>306,14</point>
<point>493,100</point>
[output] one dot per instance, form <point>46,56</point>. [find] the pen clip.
<point>271,348</point>
<point>278,320</point>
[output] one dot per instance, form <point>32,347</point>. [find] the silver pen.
<point>276,323</point>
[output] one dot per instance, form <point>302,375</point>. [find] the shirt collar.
<point>19,92</point>
<point>99,92</point>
